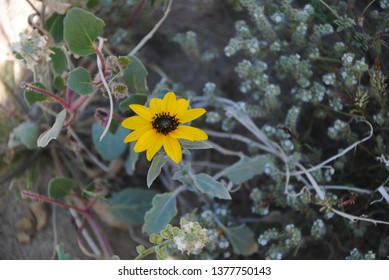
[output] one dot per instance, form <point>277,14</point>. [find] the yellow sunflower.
<point>162,125</point>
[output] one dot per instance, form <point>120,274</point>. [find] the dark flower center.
<point>164,123</point>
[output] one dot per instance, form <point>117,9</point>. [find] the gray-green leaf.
<point>135,76</point>
<point>130,205</point>
<point>25,134</point>
<point>242,240</point>
<point>131,160</point>
<point>155,168</point>
<point>163,210</point>
<point>80,81</point>
<point>112,145</point>
<point>54,131</point>
<point>195,145</point>
<point>81,29</point>
<point>208,185</point>
<point>246,168</point>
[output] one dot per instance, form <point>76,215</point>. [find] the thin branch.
<point>151,33</point>
<point>345,151</point>
<point>347,188</point>
<point>356,218</point>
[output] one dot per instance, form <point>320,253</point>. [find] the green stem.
<point>151,250</point>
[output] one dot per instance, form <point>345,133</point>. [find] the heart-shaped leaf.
<point>135,76</point>
<point>32,96</point>
<point>81,29</point>
<point>80,81</point>
<point>60,187</point>
<point>112,145</point>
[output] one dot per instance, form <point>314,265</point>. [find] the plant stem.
<point>155,28</point>
<point>151,250</point>
<point>78,103</point>
<point>85,213</point>
<point>48,93</point>
<point>69,96</point>
<point>51,200</point>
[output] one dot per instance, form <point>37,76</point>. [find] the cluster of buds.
<point>32,49</point>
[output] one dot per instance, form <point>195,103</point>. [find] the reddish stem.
<point>101,57</point>
<point>51,200</point>
<point>69,96</point>
<point>85,212</point>
<point>49,94</point>
<point>78,103</point>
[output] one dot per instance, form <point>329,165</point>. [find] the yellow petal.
<point>145,141</point>
<point>172,148</point>
<point>135,122</point>
<point>156,105</point>
<point>191,114</point>
<point>168,102</point>
<point>180,107</point>
<point>135,135</point>
<point>189,133</point>
<point>154,148</point>
<point>142,111</point>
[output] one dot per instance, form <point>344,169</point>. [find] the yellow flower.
<point>162,125</point>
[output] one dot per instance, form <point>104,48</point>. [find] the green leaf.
<point>112,145</point>
<point>32,96</point>
<point>246,168</point>
<point>59,63</point>
<point>135,76</point>
<point>54,131</point>
<point>60,187</point>
<point>163,210</point>
<point>59,83</point>
<point>130,205</point>
<point>242,240</point>
<point>155,169</point>
<point>131,160</point>
<point>54,25</point>
<point>135,98</point>
<point>80,81</point>
<point>124,61</point>
<point>81,29</point>
<point>208,185</point>
<point>24,134</point>
<point>195,145</point>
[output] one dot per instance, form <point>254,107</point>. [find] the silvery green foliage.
<point>282,243</point>
<point>318,229</point>
<point>355,254</point>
